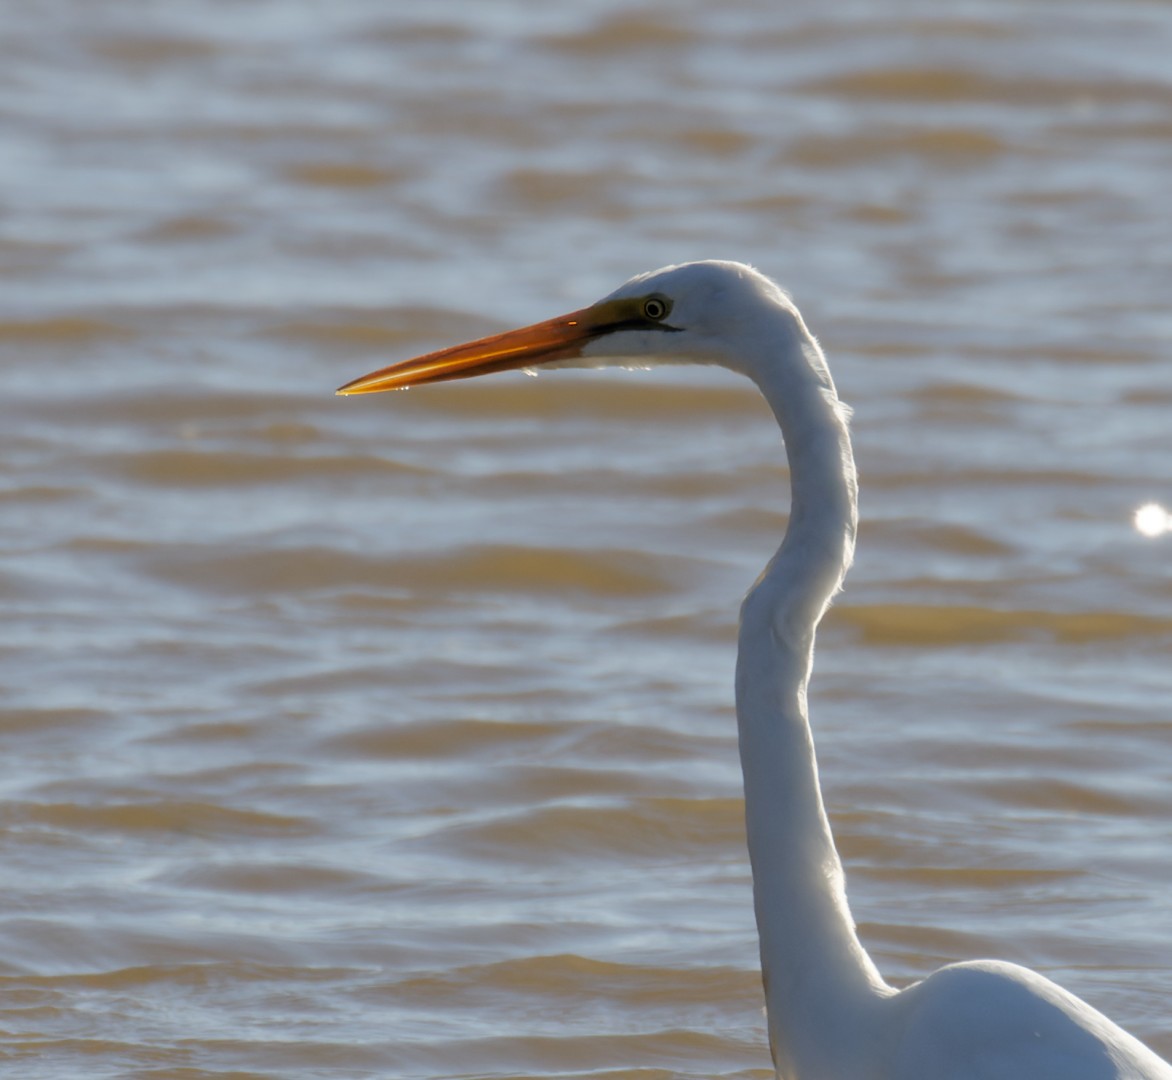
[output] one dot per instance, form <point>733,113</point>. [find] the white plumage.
<point>831,1015</point>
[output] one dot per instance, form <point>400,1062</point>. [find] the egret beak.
<point>555,339</point>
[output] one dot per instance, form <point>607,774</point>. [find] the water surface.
<point>392,737</point>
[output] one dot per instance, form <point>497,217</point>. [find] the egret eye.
<point>655,308</point>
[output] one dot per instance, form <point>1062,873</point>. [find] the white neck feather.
<point>819,982</point>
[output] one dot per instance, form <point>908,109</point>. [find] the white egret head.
<point>708,312</point>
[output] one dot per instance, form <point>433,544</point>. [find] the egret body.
<point>831,1015</point>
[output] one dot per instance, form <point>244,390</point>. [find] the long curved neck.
<point>819,982</point>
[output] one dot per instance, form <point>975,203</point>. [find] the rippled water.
<point>393,737</point>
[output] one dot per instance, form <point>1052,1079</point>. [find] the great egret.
<point>831,1015</point>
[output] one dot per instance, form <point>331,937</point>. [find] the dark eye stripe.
<point>641,323</point>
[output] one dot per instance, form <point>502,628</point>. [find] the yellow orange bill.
<point>554,339</point>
